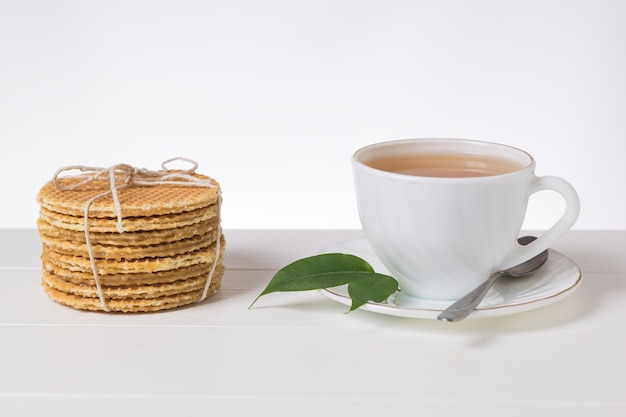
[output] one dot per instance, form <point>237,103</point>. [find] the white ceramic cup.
<point>441,237</point>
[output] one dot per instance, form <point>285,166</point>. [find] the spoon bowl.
<point>465,305</point>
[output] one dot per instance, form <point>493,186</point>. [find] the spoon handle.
<point>464,306</point>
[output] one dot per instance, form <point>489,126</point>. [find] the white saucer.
<point>557,279</point>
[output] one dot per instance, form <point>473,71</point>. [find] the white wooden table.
<point>298,354</point>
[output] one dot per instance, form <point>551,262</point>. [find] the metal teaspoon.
<point>465,305</point>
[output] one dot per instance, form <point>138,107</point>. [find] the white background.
<point>272,97</point>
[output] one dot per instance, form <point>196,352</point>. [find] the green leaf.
<point>331,270</point>
<point>373,287</point>
<point>317,272</point>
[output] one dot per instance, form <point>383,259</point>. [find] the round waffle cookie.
<point>137,238</point>
<point>128,278</point>
<point>130,240</point>
<point>130,224</point>
<point>130,252</point>
<point>132,299</point>
<point>137,200</point>
<point>133,266</point>
<point>138,291</point>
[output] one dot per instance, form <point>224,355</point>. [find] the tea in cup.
<point>443,214</point>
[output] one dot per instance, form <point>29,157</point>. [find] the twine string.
<point>127,176</point>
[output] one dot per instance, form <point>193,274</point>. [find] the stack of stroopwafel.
<point>129,240</point>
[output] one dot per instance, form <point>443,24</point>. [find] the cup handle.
<point>522,253</point>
